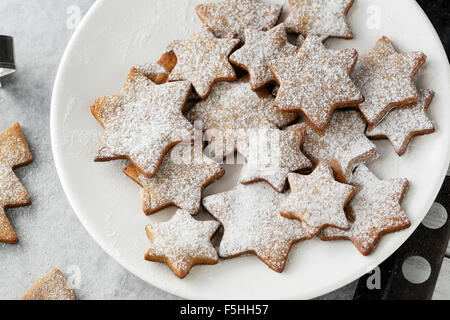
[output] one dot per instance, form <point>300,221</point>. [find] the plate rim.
<point>357,273</point>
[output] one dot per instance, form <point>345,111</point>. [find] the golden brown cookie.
<point>180,181</point>
<point>375,210</point>
<point>203,60</point>
<point>344,144</point>
<point>272,155</point>
<point>252,224</point>
<point>233,107</point>
<point>182,242</point>
<point>317,200</point>
<point>402,124</point>
<point>52,286</point>
<point>323,18</point>
<point>159,72</point>
<point>260,48</point>
<point>144,122</point>
<point>232,17</point>
<point>14,153</point>
<point>386,79</point>
<point>316,81</point>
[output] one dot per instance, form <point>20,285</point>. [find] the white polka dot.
<point>436,217</point>
<point>416,270</point>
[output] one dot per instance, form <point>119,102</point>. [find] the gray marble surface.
<point>50,233</point>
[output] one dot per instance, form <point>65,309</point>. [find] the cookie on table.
<point>182,242</point>
<point>232,17</point>
<point>317,200</point>
<point>180,180</point>
<point>272,155</point>
<point>52,286</point>
<point>316,81</point>
<point>343,144</point>
<point>252,224</point>
<point>14,153</point>
<point>322,18</point>
<point>233,107</point>
<point>260,48</point>
<point>143,122</point>
<point>386,79</point>
<point>402,124</point>
<point>203,60</point>
<point>375,211</point>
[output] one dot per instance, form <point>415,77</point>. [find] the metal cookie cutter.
<point>7,64</point>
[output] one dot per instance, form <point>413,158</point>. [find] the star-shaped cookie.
<point>203,60</point>
<point>272,155</point>
<point>159,72</point>
<point>144,122</point>
<point>52,286</point>
<point>232,17</point>
<point>344,144</point>
<point>233,107</point>
<point>323,18</point>
<point>317,200</point>
<point>14,153</point>
<point>316,81</point>
<point>402,124</point>
<point>182,242</point>
<point>386,79</point>
<point>180,181</point>
<point>252,224</point>
<point>260,48</point>
<point>375,209</point>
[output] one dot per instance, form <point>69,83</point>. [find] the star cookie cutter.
<point>7,63</point>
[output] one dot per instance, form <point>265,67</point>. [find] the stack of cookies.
<point>301,115</point>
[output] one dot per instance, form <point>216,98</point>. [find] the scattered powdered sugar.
<point>260,48</point>
<point>386,79</point>
<point>143,122</point>
<point>317,200</point>
<point>343,144</point>
<point>375,208</point>
<point>182,242</point>
<point>253,224</point>
<point>324,18</point>
<point>271,155</point>
<point>232,17</point>
<point>315,81</point>
<point>52,286</point>
<point>203,60</point>
<point>401,124</point>
<point>179,181</point>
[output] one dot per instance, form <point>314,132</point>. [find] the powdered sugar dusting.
<point>315,81</point>
<point>182,242</point>
<point>375,208</point>
<point>252,224</point>
<point>52,286</point>
<point>232,17</point>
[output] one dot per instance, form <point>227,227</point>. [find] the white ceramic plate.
<point>116,35</point>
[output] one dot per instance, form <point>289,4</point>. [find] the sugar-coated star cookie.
<point>316,81</point>
<point>233,106</point>
<point>180,180</point>
<point>344,144</point>
<point>402,124</point>
<point>144,122</point>
<point>159,72</point>
<point>260,48</point>
<point>375,209</point>
<point>386,79</point>
<point>52,286</point>
<point>14,153</point>
<point>203,60</point>
<point>272,155</point>
<point>232,17</point>
<point>323,18</point>
<point>252,224</point>
<point>182,242</point>
<point>317,200</point>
